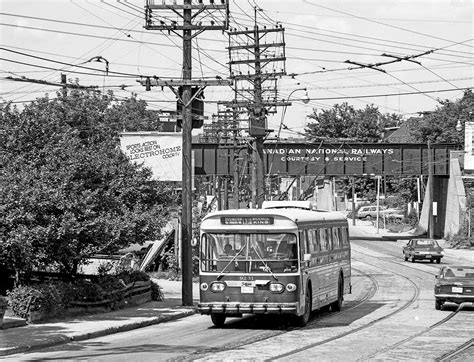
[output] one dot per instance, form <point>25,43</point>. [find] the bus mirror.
<point>307,257</point>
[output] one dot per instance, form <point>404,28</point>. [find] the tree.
<point>68,192</point>
<point>439,126</point>
<point>345,122</point>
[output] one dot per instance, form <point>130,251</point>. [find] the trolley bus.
<point>278,260</point>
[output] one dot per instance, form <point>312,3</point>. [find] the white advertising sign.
<point>160,151</point>
<point>468,146</point>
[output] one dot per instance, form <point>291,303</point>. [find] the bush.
<point>87,291</point>
<point>55,297</point>
<point>44,298</point>
<point>133,276</point>
<point>156,293</point>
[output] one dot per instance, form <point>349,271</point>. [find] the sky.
<point>42,39</point>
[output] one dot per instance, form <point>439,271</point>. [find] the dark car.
<point>423,249</point>
<point>454,284</point>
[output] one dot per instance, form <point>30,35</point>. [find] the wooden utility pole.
<point>254,91</point>
<point>192,22</point>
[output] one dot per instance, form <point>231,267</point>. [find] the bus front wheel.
<point>304,319</point>
<point>337,305</point>
<point>218,319</point>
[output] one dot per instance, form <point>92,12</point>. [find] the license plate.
<point>456,290</point>
<point>247,287</point>
<point>428,256</point>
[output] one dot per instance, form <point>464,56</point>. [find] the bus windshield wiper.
<point>265,265</point>
<point>230,262</point>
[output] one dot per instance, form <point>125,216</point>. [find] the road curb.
<point>59,340</point>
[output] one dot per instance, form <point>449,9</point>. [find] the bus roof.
<point>296,215</point>
<point>307,205</point>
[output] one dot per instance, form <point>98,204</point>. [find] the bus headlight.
<point>204,287</point>
<point>291,287</point>
<point>277,287</point>
<point>217,287</point>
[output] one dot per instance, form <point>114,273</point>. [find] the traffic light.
<point>197,108</point>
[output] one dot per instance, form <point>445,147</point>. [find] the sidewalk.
<point>35,336</point>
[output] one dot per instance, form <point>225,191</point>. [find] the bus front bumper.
<point>246,308</point>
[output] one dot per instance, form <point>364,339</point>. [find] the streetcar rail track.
<point>366,297</point>
<point>447,356</point>
<point>412,337</point>
<point>412,300</point>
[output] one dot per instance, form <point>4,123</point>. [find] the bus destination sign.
<point>247,220</point>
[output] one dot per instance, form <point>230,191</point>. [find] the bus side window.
<point>345,237</point>
<point>311,241</point>
<point>323,239</point>
<point>303,243</point>
<point>329,239</point>
<point>335,238</point>
<point>314,241</point>
<point>318,241</point>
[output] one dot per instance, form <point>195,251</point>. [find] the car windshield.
<point>252,252</point>
<point>426,243</point>
<point>459,272</point>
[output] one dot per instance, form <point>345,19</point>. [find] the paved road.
<point>390,315</point>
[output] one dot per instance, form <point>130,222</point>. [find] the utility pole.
<point>257,90</point>
<point>431,188</point>
<point>191,20</point>
<point>353,201</point>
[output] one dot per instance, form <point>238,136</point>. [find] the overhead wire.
<point>380,23</point>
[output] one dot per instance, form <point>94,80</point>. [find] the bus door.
<point>304,267</point>
<point>324,265</point>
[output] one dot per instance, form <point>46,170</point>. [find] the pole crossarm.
<point>202,7</point>
<point>252,61</point>
<point>251,46</point>
<point>264,104</point>
<point>184,82</point>
<point>259,31</point>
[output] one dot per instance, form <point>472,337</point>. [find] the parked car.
<point>454,284</point>
<point>370,212</point>
<point>423,249</point>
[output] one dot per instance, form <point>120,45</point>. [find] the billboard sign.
<point>160,151</point>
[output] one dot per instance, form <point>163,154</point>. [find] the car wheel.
<point>368,218</point>
<point>412,259</point>
<point>304,319</point>
<point>218,319</point>
<point>406,258</point>
<point>431,260</point>
<point>438,260</point>
<point>438,304</point>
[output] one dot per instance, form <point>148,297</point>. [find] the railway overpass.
<point>336,160</point>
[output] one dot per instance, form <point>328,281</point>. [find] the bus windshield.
<point>249,252</point>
